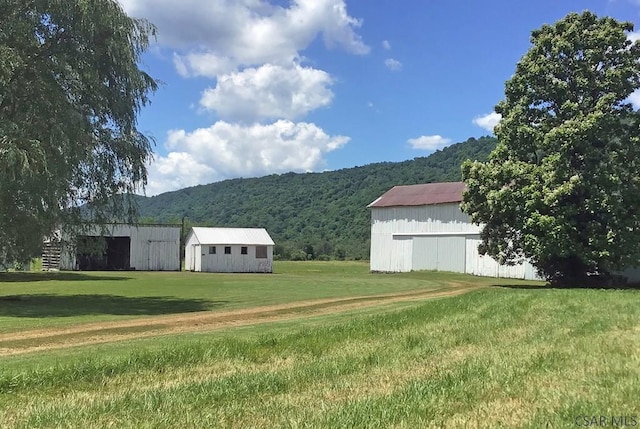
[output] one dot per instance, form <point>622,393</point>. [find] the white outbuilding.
<point>123,247</point>
<point>229,250</point>
<point>421,227</point>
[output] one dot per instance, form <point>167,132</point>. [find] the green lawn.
<point>499,356</point>
<point>35,300</point>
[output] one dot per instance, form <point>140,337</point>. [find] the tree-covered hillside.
<point>324,215</point>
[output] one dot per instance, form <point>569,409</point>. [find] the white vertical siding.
<point>425,253</point>
<point>152,247</point>
<point>438,237</point>
<point>395,253</point>
<point>484,265</point>
<point>451,253</point>
<point>442,253</point>
<point>190,252</point>
<point>198,256</point>
<point>235,262</point>
<point>67,259</point>
<point>190,257</point>
<point>403,250</point>
<point>155,248</point>
<point>435,218</point>
<point>157,256</point>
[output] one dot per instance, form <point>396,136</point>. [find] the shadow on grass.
<point>45,305</point>
<point>547,286</point>
<point>26,277</point>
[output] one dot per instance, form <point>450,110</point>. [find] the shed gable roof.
<point>250,236</point>
<point>421,195</point>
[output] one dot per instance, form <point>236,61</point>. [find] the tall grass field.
<point>504,354</point>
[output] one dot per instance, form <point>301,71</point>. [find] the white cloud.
<point>246,32</point>
<point>202,64</point>
<point>254,49</point>
<point>633,36</point>
<point>392,64</point>
<point>227,150</point>
<point>335,23</point>
<point>429,142</point>
<point>268,92</point>
<point>634,99</point>
<point>488,121</point>
<point>386,45</point>
<point>175,171</point>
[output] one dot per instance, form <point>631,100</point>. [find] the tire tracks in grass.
<point>119,330</point>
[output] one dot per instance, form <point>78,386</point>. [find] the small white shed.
<point>421,227</point>
<point>229,250</point>
<point>127,247</point>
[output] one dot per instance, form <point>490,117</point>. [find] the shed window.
<point>261,252</point>
<point>212,250</point>
<point>227,250</point>
<point>243,250</point>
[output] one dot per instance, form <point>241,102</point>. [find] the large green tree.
<point>70,91</point>
<point>562,186</point>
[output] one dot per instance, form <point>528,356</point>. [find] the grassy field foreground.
<point>43,300</point>
<point>496,357</point>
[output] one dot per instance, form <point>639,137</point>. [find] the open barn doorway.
<point>103,253</point>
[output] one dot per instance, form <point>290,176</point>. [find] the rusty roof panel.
<point>421,195</point>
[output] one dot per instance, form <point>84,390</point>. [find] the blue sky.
<point>255,87</point>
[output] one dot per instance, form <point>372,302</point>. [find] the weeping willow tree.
<point>70,92</point>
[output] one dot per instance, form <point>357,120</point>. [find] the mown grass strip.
<point>493,358</point>
<point>45,300</point>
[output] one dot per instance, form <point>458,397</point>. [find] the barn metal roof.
<point>421,195</point>
<point>250,236</point>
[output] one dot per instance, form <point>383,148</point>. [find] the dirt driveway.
<point>104,332</point>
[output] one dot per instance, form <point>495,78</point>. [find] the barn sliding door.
<point>162,256</point>
<point>424,253</point>
<point>442,253</point>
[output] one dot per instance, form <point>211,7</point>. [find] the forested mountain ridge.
<point>315,215</point>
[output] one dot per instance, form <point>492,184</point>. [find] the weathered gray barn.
<point>127,247</point>
<point>229,250</point>
<point>421,227</point>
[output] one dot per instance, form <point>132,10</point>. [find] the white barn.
<point>128,247</point>
<point>421,227</point>
<point>229,250</point>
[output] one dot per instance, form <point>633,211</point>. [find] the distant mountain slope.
<point>321,214</point>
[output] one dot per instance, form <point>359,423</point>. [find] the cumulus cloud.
<point>386,45</point>
<point>175,171</point>
<point>633,36</point>
<point>488,121</point>
<point>246,32</point>
<point>392,64</point>
<point>268,92</point>
<point>227,150</point>
<point>254,49</point>
<point>429,142</point>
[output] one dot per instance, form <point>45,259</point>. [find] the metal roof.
<point>251,236</point>
<point>421,195</point>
